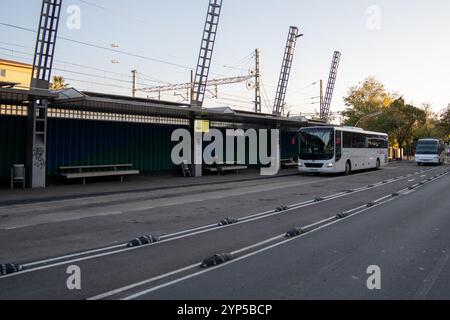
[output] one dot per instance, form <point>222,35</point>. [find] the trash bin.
<point>18,175</point>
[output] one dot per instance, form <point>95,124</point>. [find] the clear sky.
<point>403,43</point>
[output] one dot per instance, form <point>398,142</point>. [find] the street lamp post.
<point>372,115</point>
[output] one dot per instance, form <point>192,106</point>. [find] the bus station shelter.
<point>89,128</point>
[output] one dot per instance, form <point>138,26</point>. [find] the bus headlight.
<point>300,164</point>
<point>330,165</point>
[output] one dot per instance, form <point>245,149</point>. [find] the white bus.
<point>341,149</point>
<point>430,151</point>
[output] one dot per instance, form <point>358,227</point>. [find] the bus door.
<point>338,146</point>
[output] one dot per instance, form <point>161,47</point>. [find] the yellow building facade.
<point>16,72</point>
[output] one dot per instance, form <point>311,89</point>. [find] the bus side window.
<point>338,146</point>
<point>347,140</point>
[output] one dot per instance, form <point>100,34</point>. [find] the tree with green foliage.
<point>431,126</point>
<point>58,83</point>
<point>444,123</point>
<point>401,122</point>
<point>365,99</point>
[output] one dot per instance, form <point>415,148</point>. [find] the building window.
<point>2,73</point>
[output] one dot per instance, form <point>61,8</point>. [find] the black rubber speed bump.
<point>319,199</point>
<point>294,232</point>
<point>281,208</point>
<point>228,221</point>
<point>142,241</point>
<point>370,204</point>
<point>350,191</point>
<point>395,194</point>
<point>216,260</point>
<point>342,215</point>
<point>9,268</point>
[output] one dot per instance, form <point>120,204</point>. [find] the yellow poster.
<point>202,126</point>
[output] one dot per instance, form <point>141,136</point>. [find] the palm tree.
<point>58,83</point>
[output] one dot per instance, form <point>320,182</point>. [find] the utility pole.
<point>192,86</point>
<point>321,93</point>
<point>133,88</point>
<point>257,82</point>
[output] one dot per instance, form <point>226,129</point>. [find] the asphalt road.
<point>407,238</point>
<point>315,265</point>
<point>52,228</point>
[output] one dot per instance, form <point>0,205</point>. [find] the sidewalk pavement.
<point>142,183</point>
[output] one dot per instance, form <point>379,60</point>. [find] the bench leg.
<point>84,180</point>
<point>121,178</point>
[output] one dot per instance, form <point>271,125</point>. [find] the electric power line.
<point>87,67</point>
<point>131,54</point>
<point>101,47</point>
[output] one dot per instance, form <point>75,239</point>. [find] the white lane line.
<point>181,233</point>
<point>150,207</point>
<point>166,275</point>
<point>145,292</point>
<point>170,235</point>
<point>28,265</point>
<point>167,236</point>
<point>259,244</point>
<point>333,221</point>
<point>141,247</point>
<point>406,192</point>
<point>433,274</point>
<point>132,286</point>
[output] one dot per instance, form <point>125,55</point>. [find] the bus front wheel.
<point>378,164</point>
<point>348,168</point>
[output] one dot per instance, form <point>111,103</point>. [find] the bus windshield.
<point>427,147</point>
<point>316,144</point>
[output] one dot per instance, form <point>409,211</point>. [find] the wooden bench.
<point>226,166</point>
<point>83,172</point>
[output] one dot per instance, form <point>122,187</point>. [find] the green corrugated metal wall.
<point>84,142</point>
<point>87,142</point>
<point>13,139</point>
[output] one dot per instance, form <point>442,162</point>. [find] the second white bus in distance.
<point>341,149</point>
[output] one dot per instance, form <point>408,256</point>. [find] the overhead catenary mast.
<point>40,80</point>
<point>206,52</point>
<point>326,103</point>
<point>278,107</point>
